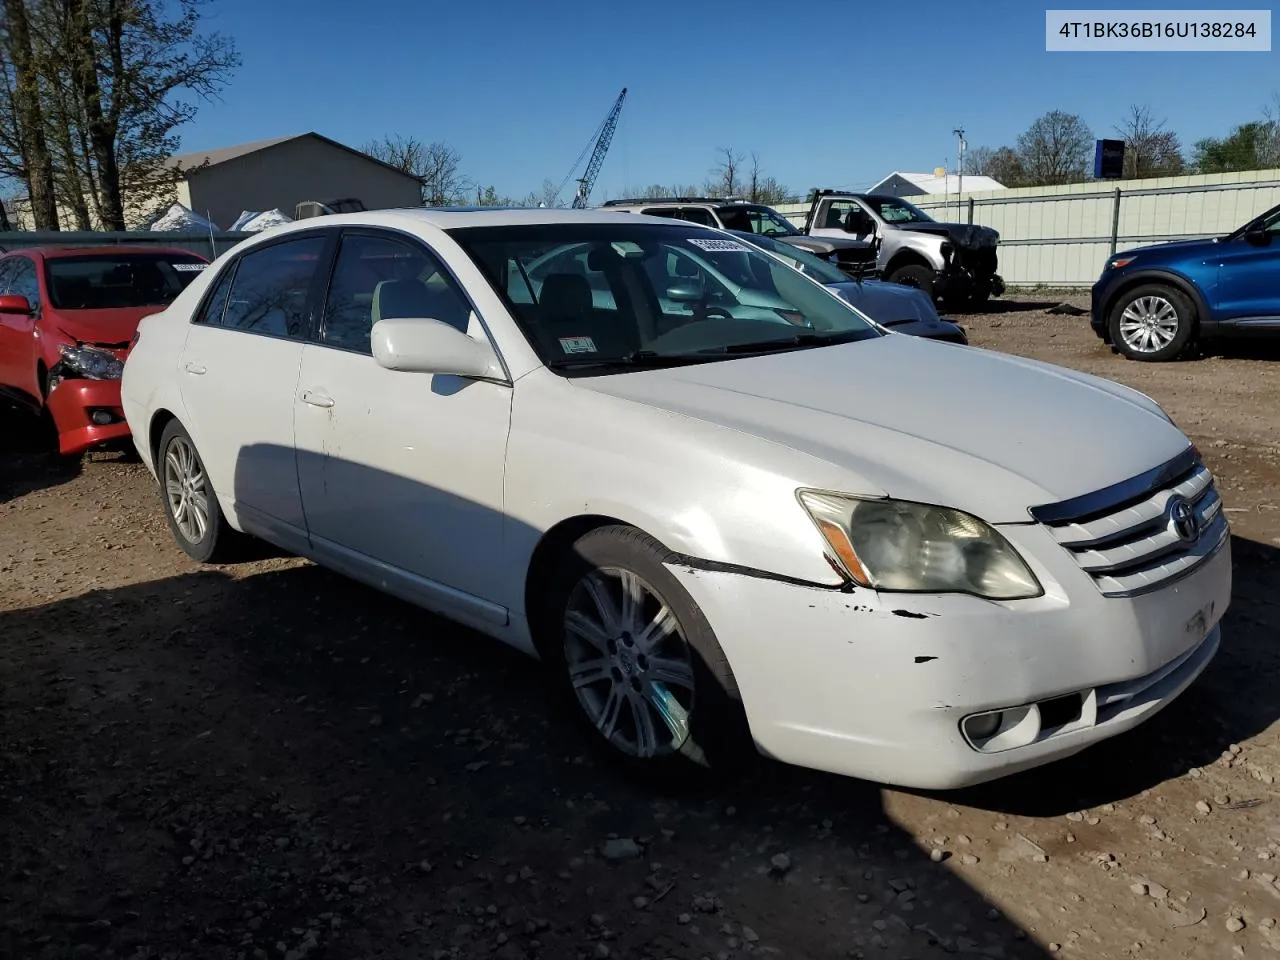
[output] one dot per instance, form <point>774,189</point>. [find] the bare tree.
<point>1056,149</point>
<point>33,162</point>
<point>437,165</point>
<point>725,175</point>
<point>1149,149</point>
<point>1001,164</point>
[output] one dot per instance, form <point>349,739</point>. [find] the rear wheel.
<point>638,661</point>
<point>914,275</point>
<point>190,504</point>
<point>1153,322</point>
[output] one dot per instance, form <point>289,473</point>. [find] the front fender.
<point>1184,284</point>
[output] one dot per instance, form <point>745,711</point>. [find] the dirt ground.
<point>267,761</point>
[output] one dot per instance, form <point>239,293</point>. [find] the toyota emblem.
<point>1183,520</point>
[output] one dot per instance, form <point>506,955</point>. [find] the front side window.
<point>269,290</point>
<point>897,210</point>
<point>6,273</point>
<point>677,293</point>
<point>382,278</point>
<point>23,282</point>
<point>119,280</point>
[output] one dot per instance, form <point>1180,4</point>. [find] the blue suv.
<point>1152,303</point>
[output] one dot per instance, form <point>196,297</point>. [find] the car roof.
<point>449,218</point>
<point>63,253</point>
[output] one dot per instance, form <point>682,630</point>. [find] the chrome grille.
<point>1138,535</point>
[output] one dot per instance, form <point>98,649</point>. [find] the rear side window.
<point>268,293</point>
<point>216,305</point>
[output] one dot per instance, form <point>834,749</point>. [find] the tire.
<point>178,463</point>
<point>914,275</point>
<point>1153,322</point>
<point>617,685</point>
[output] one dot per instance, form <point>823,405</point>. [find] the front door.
<point>238,372</point>
<point>18,343</point>
<point>401,473</point>
<point>1249,276</point>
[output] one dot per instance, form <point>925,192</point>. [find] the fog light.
<point>102,417</point>
<point>982,726</point>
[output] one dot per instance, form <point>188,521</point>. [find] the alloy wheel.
<point>186,490</point>
<point>629,663</point>
<point>1149,324</point>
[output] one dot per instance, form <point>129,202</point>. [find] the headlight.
<point>895,545</point>
<point>91,362</point>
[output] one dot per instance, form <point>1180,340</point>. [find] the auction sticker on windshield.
<point>577,345</point>
<point>717,245</point>
<point>189,267</point>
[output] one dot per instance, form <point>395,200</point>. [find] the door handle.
<point>194,368</point>
<point>316,399</point>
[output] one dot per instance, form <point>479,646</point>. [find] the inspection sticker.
<point>577,345</point>
<point>717,245</point>
<point>189,267</point>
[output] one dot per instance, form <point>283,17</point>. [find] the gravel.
<point>266,760</point>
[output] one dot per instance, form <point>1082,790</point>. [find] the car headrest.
<point>565,295</point>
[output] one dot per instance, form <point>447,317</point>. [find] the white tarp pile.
<point>252,222</point>
<point>180,219</point>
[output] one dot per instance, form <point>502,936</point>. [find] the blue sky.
<point>828,94</point>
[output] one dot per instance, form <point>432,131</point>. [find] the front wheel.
<point>638,660</point>
<point>190,504</point>
<point>914,275</point>
<point>1153,323</point>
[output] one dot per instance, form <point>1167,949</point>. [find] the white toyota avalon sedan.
<point>860,551</point>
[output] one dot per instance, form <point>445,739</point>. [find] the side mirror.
<point>15,303</point>
<point>1254,235</point>
<point>686,293</point>
<point>414,345</point>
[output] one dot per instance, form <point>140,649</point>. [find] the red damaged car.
<point>67,318</point>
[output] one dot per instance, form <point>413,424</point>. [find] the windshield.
<point>895,210</point>
<point>595,296</point>
<point>753,218</point>
<point>111,281</point>
<point>824,271</point>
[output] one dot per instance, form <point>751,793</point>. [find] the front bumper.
<point>1098,295</point>
<point>77,406</point>
<point>877,686</point>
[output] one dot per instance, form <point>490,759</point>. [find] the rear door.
<point>239,373</point>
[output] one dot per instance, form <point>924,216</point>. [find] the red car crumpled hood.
<point>114,327</point>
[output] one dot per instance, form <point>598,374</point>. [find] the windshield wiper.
<point>788,343</point>
<point>636,358</point>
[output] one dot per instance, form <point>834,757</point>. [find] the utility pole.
<point>960,147</point>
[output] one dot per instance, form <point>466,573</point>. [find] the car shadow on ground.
<point>29,459</point>
<point>224,761</point>
<point>998,305</point>
<point>221,762</point>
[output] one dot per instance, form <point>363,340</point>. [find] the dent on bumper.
<point>72,404</point>
<point>876,687</point>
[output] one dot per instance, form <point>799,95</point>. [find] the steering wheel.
<point>708,312</point>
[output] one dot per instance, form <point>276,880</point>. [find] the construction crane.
<point>601,140</point>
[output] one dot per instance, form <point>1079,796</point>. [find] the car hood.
<point>896,307</point>
<point>1177,247</point>
<point>965,234</point>
<point>973,429</point>
<point>113,327</point>
<point>822,245</point>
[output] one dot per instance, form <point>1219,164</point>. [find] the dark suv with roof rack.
<point>732,213</point>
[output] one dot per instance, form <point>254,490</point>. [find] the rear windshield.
<point>108,281</point>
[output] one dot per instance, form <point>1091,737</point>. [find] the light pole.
<point>960,146</point>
